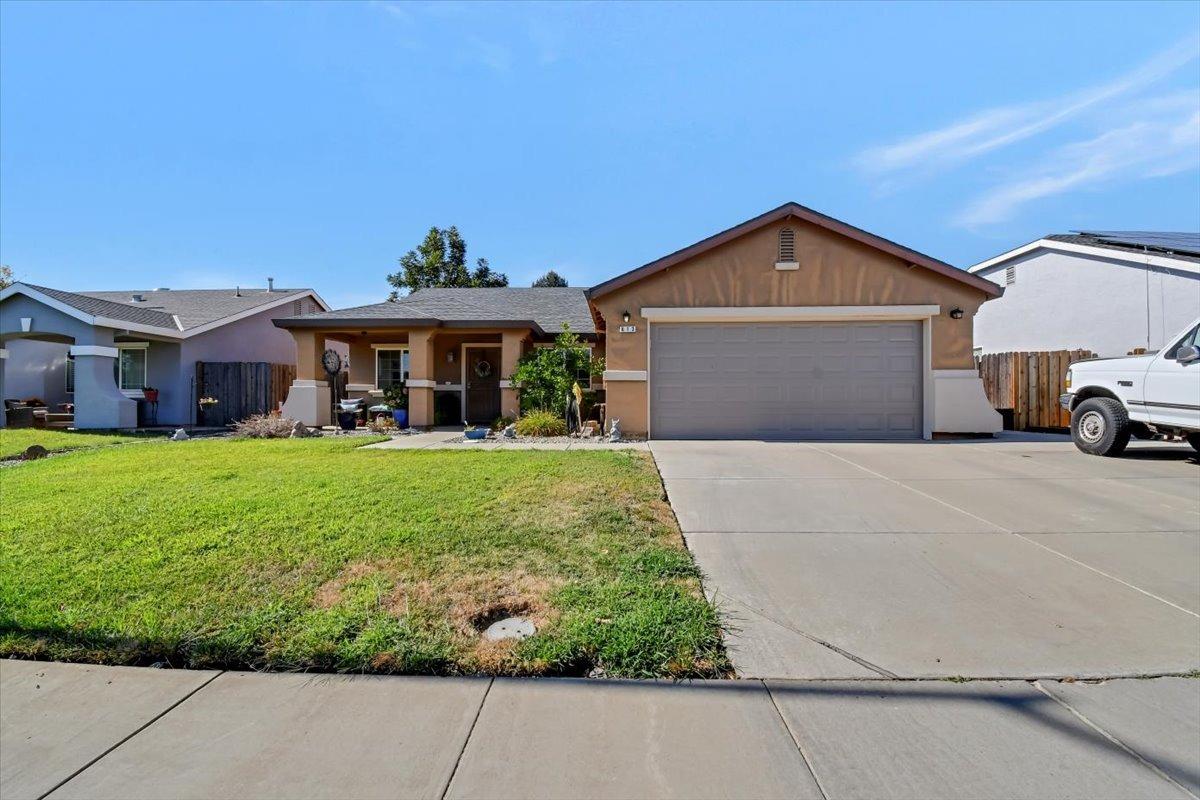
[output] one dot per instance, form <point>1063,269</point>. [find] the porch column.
<point>3,362</point>
<point>420,378</point>
<point>98,401</point>
<point>308,398</point>
<point>362,369</point>
<point>511,345</point>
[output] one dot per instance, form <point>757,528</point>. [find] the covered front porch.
<point>452,375</point>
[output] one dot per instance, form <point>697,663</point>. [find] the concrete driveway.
<point>1013,558</point>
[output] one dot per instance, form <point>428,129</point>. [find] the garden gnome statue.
<point>614,430</point>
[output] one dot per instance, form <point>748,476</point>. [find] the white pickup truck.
<point>1111,399</point>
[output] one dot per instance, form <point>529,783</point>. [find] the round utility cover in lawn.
<point>510,628</point>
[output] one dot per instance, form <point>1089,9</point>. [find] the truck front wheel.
<point>1100,426</point>
<point>1194,440</point>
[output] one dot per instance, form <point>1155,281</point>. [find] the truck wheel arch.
<point>1088,392</point>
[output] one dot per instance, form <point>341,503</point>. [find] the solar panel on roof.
<point>1157,240</point>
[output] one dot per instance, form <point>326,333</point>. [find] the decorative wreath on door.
<point>483,368</point>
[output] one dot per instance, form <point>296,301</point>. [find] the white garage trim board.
<point>789,313</point>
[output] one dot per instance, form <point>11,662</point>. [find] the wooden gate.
<point>242,388</point>
<point>1028,385</point>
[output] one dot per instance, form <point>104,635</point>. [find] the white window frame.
<point>143,346</point>
<point>404,359</point>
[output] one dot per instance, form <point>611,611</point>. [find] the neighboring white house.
<point>1105,291</point>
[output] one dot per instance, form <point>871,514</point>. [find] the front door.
<point>483,384</point>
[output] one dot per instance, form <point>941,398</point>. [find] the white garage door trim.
<point>922,313</point>
<point>788,313</point>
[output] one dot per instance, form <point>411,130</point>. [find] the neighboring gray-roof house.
<point>118,341</point>
<point>1104,291</point>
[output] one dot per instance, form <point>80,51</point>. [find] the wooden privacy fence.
<point>242,388</point>
<point>1028,385</point>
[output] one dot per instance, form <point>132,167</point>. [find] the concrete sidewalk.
<point>70,731</point>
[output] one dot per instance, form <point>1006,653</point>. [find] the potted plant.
<point>347,415</point>
<point>150,394</point>
<point>471,432</point>
<point>396,396</point>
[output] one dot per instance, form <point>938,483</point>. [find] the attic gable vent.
<point>787,250</point>
<point>787,245</point>
<point>1010,274</point>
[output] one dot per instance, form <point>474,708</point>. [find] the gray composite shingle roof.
<point>159,308</point>
<point>546,308</point>
<point>195,307</point>
<point>101,307</point>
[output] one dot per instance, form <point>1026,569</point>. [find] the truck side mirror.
<point>1187,354</point>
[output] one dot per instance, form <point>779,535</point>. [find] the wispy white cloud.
<point>1163,140</point>
<point>539,37</point>
<point>992,129</point>
<point>493,55</point>
<point>394,10</point>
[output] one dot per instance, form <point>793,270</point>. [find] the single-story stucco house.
<point>97,350</point>
<point>789,325</point>
<point>1104,291</point>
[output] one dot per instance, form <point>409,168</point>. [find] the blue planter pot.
<point>478,433</point>
<point>347,420</point>
<point>401,417</point>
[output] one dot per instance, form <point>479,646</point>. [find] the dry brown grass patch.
<point>472,602</point>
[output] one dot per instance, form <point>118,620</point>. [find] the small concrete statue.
<point>180,435</point>
<point>510,431</point>
<point>614,430</point>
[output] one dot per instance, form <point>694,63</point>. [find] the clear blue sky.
<point>211,144</point>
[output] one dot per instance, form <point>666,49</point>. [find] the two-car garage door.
<point>793,380</point>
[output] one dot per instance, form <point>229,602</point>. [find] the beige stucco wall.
<point>834,271</point>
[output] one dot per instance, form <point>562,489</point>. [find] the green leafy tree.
<point>551,278</point>
<point>441,261</point>
<point>547,373</point>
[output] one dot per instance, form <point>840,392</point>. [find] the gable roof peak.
<point>794,209</point>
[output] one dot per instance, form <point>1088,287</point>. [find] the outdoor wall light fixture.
<point>625,316</point>
<point>449,356</point>
<point>956,313</point>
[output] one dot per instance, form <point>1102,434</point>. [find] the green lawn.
<point>313,554</point>
<point>13,441</point>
